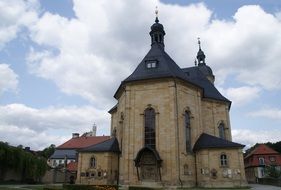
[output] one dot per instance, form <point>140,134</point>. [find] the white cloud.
<point>270,113</point>
<point>278,15</point>
<point>8,79</point>
<point>29,125</point>
<point>90,54</point>
<point>15,14</point>
<point>251,137</point>
<point>242,95</point>
<point>17,135</point>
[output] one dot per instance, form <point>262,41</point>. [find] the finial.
<point>199,43</point>
<point>195,62</point>
<point>156,13</point>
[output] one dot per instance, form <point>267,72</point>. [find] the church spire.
<point>200,55</point>
<point>202,66</point>
<point>157,32</point>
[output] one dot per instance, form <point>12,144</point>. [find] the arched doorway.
<point>148,163</point>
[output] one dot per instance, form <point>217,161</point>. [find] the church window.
<point>161,38</point>
<point>185,169</point>
<point>93,162</point>
<point>149,128</point>
<point>187,131</point>
<point>223,159</point>
<point>221,130</point>
<point>156,38</point>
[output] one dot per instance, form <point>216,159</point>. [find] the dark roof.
<point>110,145</point>
<point>166,67</point>
<point>82,142</point>
<point>60,154</point>
<point>195,76</point>
<point>206,141</point>
<point>113,109</point>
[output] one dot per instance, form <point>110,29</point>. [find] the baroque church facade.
<point>170,127</point>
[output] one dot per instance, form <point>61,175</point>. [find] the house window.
<point>221,130</point>
<point>261,161</point>
<point>149,128</point>
<point>272,158</point>
<point>93,162</point>
<point>187,131</point>
<point>223,159</point>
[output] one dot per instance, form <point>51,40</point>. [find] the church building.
<point>170,128</point>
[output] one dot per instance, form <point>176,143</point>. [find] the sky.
<point>62,61</point>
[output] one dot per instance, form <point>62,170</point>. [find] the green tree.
<point>31,167</point>
<point>272,171</point>
<point>47,152</point>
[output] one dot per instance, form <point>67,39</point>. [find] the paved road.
<point>264,187</point>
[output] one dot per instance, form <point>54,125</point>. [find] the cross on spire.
<point>156,14</point>
<point>199,43</point>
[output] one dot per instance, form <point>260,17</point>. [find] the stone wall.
<point>210,173</point>
<point>105,171</point>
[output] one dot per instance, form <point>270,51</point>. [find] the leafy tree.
<point>276,146</point>
<point>272,171</point>
<point>47,152</point>
<point>30,166</point>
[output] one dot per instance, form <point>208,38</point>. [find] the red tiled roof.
<point>82,142</point>
<point>262,149</point>
<point>72,166</point>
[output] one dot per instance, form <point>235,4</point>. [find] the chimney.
<point>75,135</point>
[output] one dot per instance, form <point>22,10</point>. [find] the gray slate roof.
<point>168,68</point>
<point>206,141</point>
<point>195,76</point>
<point>110,145</point>
<point>61,153</point>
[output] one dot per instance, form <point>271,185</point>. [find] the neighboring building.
<point>257,160</point>
<point>172,127</point>
<point>68,150</point>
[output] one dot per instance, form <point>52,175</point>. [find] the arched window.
<point>223,159</point>
<point>149,128</point>
<point>93,162</point>
<point>221,130</point>
<point>187,131</point>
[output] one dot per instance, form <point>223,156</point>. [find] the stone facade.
<point>171,98</point>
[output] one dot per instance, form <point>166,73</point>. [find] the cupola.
<point>205,69</point>
<point>157,32</point>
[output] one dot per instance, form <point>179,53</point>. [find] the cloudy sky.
<point>62,61</point>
